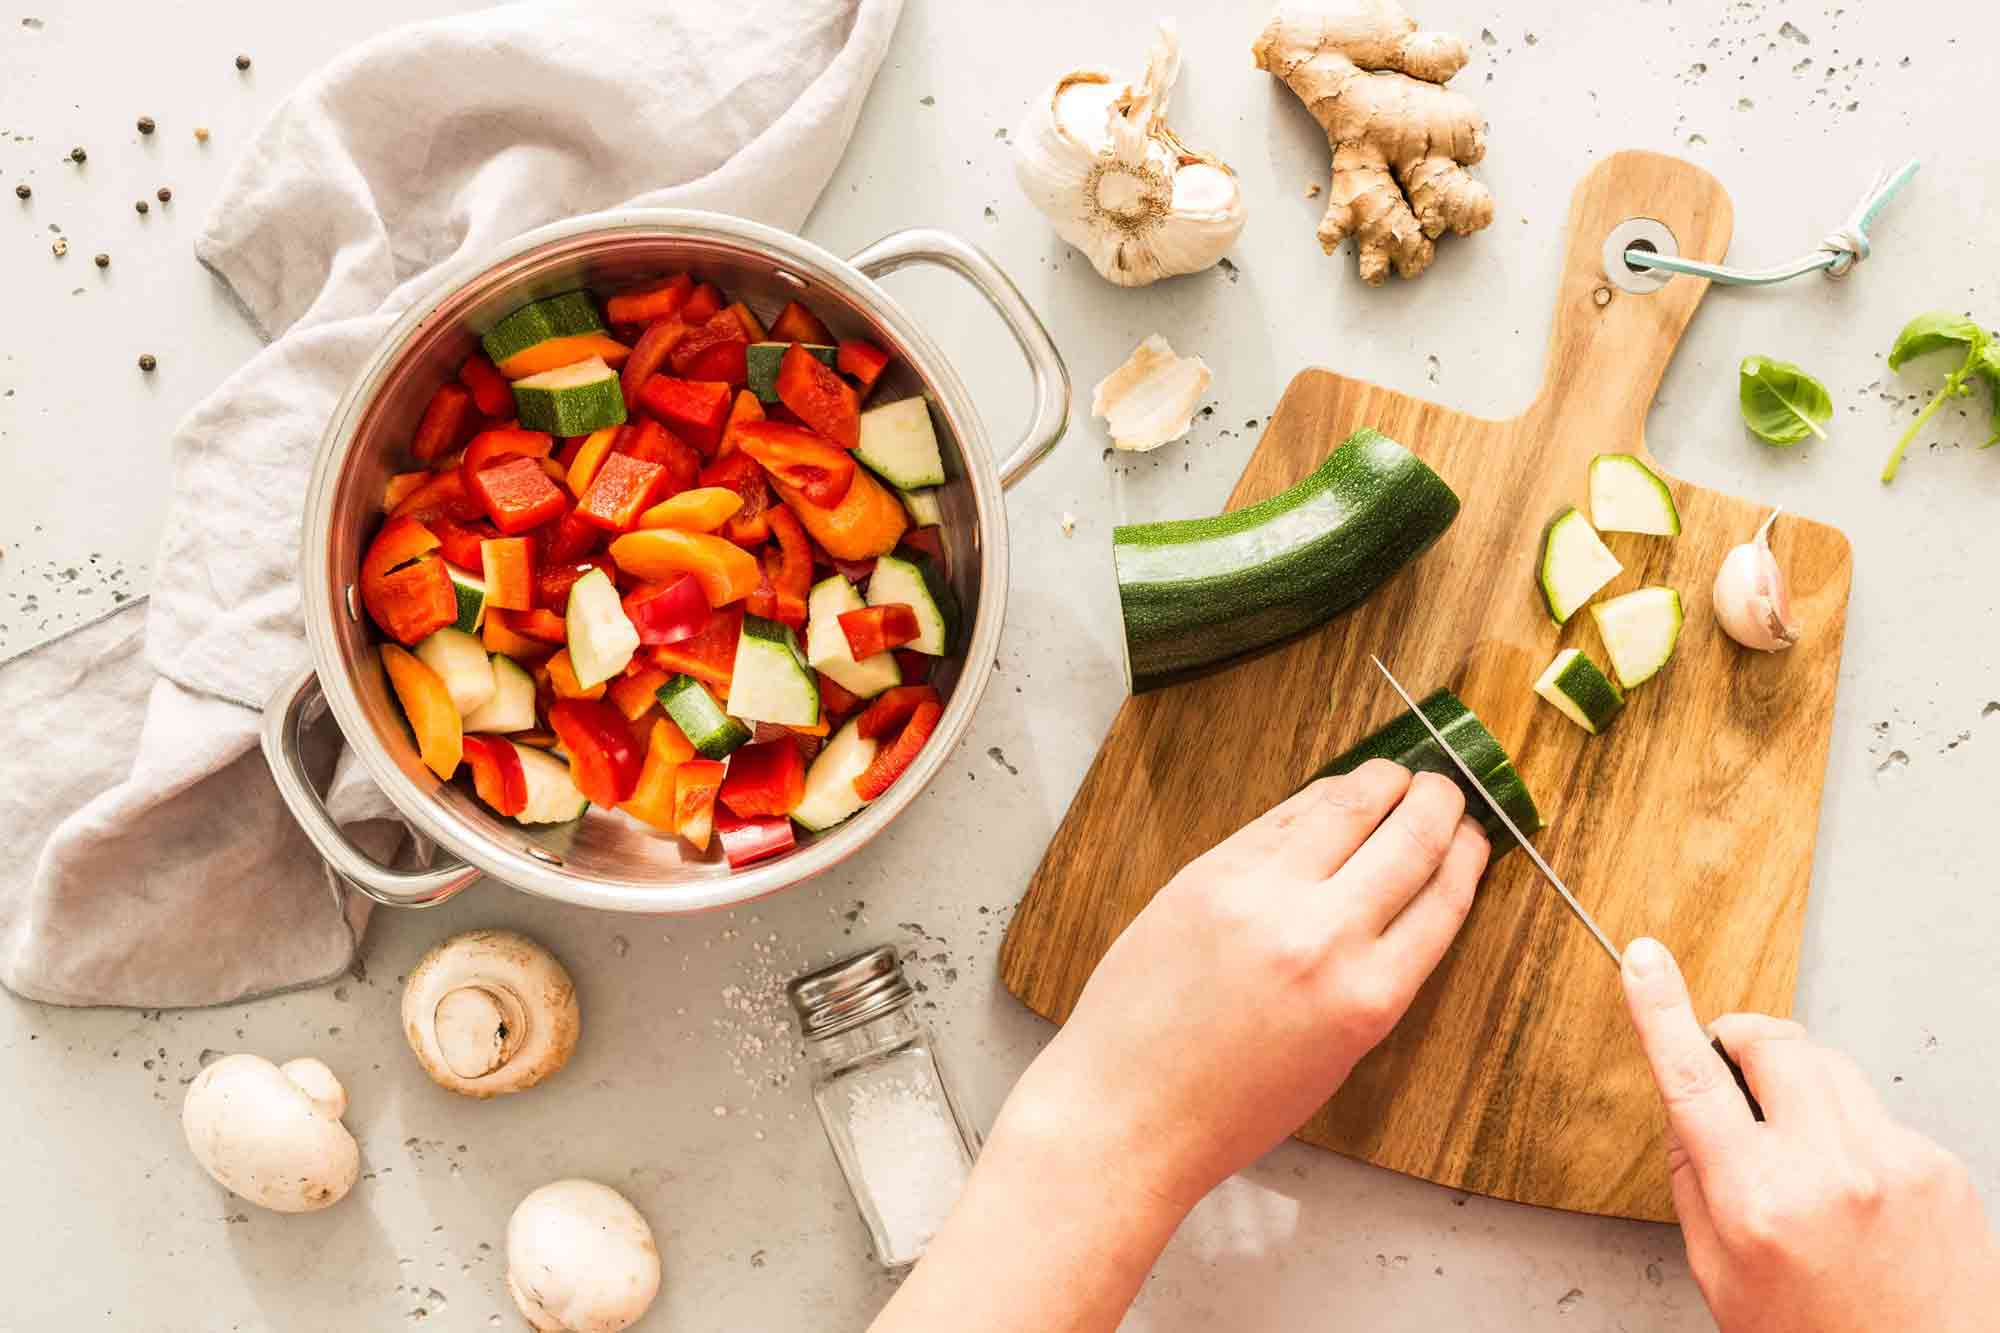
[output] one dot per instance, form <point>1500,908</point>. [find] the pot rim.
<point>571,238</point>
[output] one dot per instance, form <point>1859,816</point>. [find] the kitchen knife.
<point>1555,880</point>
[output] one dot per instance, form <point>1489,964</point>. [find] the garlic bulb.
<point>1751,599</point>
<point>1151,399</point>
<point>1096,157</point>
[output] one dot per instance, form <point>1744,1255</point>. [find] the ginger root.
<point>1401,141</point>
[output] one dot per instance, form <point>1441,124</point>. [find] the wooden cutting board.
<point>1514,1073</point>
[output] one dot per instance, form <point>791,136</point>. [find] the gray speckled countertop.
<point>685,1093</point>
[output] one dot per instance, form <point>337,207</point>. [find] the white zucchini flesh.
<point>830,796</point>
<point>601,637</point>
<point>1580,691</point>
<point>1640,630</point>
<point>771,681</point>
<point>826,643</point>
<point>898,580</point>
<point>460,661</point>
<point>1628,496</point>
<point>899,443</point>
<point>552,796</point>
<point>1575,564</point>
<point>512,707</point>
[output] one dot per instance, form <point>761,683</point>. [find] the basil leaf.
<point>1987,366</point>
<point>1937,329</point>
<point>1781,404</point>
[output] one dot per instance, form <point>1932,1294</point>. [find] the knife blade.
<point>1555,880</point>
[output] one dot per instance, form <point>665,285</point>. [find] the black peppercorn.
<point>142,206</point>
<point>22,191</point>
<point>146,361</point>
<point>77,155</point>
<point>103,260</point>
<point>146,125</point>
<point>165,195</point>
<point>243,62</point>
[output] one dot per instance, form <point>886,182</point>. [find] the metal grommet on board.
<point>1639,234</point>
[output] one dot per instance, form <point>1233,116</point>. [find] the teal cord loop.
<point>1836,256</point>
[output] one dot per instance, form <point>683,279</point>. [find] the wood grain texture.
<point>1515,1073</point>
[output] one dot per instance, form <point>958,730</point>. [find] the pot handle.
<point>927,245</point>
<point>286,712</point>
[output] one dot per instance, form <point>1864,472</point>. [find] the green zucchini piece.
<point>826,643</point>
<point>1575,563</point>
<point>830,795</point>
<point>601,637</point>
<point>1628,496</point>
<point>925,509</point>
<point>899,444</point>
<point>571,400</point>
<point>1197,593</point>
<point>701,719</point>
<point>772,681</point>
<point>914,579</point>
<point>1580,691</point>
<point>470,590</point>
<point>1640,630</point>
<point>763,360</point>
<point>461,663</point>
<point>564,316</point>
<point>512,707</point>
<point>552,794</point>
<point>1407,743</point>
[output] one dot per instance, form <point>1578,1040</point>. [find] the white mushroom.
<point>580,1259</point>
<point>490,1012</point>
<point>272,1133</point>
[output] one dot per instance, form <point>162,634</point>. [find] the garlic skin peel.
<point>1096,157</point>
<point>1751,599</point>
<point>1150,400</point>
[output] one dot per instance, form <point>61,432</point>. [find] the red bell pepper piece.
<point>916,667</point>
<point>695,410</point>
<point>799,458</point>
<point>695,784</point>
<point>745,841</point>
<point>517,495</point>
<point>892,708</point>
<point>789,567</point>
<point>719,329</point>
<point>894,759</point>
<point>877,629</point>
<point>703,304</point>
<point>747,407</point>
<point>796,324</point>
<point>488,387</point>
<point>553,581</point>
<point>725,363</point>
<point>765,779</point>
<point>493,446</point>
<point>863,361</point>
<point>459,542</point>
<point>648,440</point>
<point>404,585</point>
<point>449,410</point>
<point>401,487</point>
<point>822,399</point>
<point>624,488</point>
<point>835,699</point>
<point>750,525</point>
<point>541,624</point>
<point>653,303</point>
<point>443,496</point>
<point>508,566</point>
<point>497,774</point>
<point>709,656</point>
<point>930,541</point>
<point>604,760</point>
<point>570,537</point>
<point>668,612</point>
<point>655,345</point>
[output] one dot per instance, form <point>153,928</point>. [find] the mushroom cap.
<point>271,1134</point>
<point>580,1259</point>
<point>490,1012</point>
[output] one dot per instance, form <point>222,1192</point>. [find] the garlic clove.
<point>1098,160</point>
<point>1151,399</point>
<point>1751,598</point>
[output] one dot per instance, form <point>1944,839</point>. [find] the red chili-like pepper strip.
<point>790,567</point>
<point>604,761</point>
<point>799,458</point>
<point>622,490</point>
<point>668,612</point>
<point>518,495</point>
<point>497,774</point>
<point>877,629</point>
<point>490,391</point>
<point>864,362</point>
<point>765,779</point>
<point>746,841</point>
<point>821,398</point>
<point>892,708</point>
<point>894,759</point>
<point>450,407</point>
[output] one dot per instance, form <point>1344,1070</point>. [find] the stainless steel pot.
<point>606,860</point>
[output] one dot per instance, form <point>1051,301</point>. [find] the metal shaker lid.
<point>848,993</point>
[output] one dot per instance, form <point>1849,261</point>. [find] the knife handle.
<point>1736,1072</point>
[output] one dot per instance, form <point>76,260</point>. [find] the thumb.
<point>1705,1112</point>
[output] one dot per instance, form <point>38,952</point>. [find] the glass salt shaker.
<point>901,1140</point>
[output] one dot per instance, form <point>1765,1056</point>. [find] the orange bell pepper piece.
<point>696,783</point>
<point>727,572</point>
<point>633,694</point>
<point>746,408</point>
<point>508,566</point>
<point>589,457</point>
<point>703,509</point>
<point>818,397</point>
<point>704,303</point>
<point>643,307</point>
<point>652,801</point>
<point>753,328</point>
<point>562,679</point>
<point>433,717</point>
<point>866,523</point>
<point>400,488</point>
<point>404,584</point>
<point>500,637</point>
<point>559,352</point>
<point>450,408</point>
<point>796,324</point>
<point>488,387</point>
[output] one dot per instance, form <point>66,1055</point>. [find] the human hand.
<point>1239,999</point>
<point>1828,1217</point>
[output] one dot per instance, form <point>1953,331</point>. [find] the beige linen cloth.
<point>145,858</point>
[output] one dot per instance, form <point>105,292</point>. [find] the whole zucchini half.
<point>1198,592</point>
<point>1405,741</point>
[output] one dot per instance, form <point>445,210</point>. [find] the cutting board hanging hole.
<point>1638,234</point>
